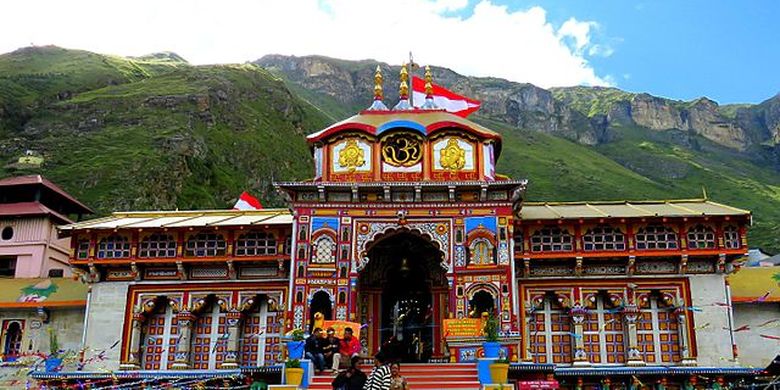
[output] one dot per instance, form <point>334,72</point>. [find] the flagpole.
<point>411,79</point>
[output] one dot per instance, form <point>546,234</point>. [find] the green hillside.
<point>154,132</point>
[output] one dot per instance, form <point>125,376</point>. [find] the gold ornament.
<point>402,150</point>
<point>351,157</point>
<point>403,89</point>
<point>378,84</point>
<point>428,81</point>
<point>452,157</point>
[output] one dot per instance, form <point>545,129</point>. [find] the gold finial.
<point>378,84</point>
<point>403,89</point>
<point>428,81</point>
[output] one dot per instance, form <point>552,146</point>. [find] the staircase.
<point>438,376</point>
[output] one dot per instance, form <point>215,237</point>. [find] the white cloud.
<point>492,41</point>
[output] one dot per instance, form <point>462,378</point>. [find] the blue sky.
<point>728,51</point>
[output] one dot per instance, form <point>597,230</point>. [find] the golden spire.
<point>428,81</point>
<point>378,84</point>
<point>403,89</point>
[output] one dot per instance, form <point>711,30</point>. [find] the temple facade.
<point>407,230</point>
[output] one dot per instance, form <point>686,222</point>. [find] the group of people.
<point>328,352</point>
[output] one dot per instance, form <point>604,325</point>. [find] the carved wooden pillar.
<point>682,329</point>
<point>529,313</point>
<point>630,316</point>
<point>578,314</point>
<point>233,321</point>
<point>134,354</point>
<point>185,320</point>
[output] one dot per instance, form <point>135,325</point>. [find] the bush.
<point>490,328</point>
<point>297,335</point>
<point>292,363</point>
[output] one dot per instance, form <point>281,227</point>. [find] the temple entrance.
<point>403,296</point>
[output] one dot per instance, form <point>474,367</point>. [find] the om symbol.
<point>402,150</point>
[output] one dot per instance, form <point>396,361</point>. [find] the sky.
<point>728,51</point>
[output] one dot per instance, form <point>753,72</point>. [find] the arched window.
<point>731,238</point>
<point>550,333</point>
<point>551,239</point>
<point>113,247</point>
<point>657,330</point>
<point>481,302</point>
<point>701,237</point>
<point>12,338</point>
<point>82,249</point>
<point>604,238</point>
<point>656,237</point>
<point>157,245</point>
<point>324,251</point>
<point>603,333</point>
<point>209,337</point>
<point>206,245</point>
<point>256,243</point>
<point>160,335</point>
<point>481,252</point>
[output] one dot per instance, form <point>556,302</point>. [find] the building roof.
<point>751,284</point>
<point>69,204</point>
<point>30,209</point>
<point>193,218</point>
<point>627,209</point>
<point>47,292</point>
<point>425,121</point>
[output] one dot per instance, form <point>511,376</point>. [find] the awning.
<point>33,293</point>
<point>191,218</point>
<point>626,209</point>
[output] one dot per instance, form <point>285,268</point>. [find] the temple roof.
<point>424,121</point>
<point>192,218</point>
<point>30,209</point>
<point>751,284</point>
<point>627,209</point>
<point>23,189</point>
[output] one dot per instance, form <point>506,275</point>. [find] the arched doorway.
<point>481,302</point>
<point>403,296</point>
<point>320,303</point>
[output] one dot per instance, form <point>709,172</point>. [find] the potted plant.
<point>293,372</point>
<point>499,370</point>
<point>491,346</point>
<point>295,345</point>
<point>53,360</point>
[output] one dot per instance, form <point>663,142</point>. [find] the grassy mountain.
<point>154,132</point>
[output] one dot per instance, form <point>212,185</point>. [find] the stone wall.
<point>105,323</point>
<point>67,323</point>
<point>712,340</point>
<point>755,350</point>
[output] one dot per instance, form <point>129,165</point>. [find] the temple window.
<point>481,252</point>
<point>658,339</point>
<point>157,245</point>
<point>160,335</point>
<point>603,334</point>
<point>256,243</point>
<point>209,333</point>
<point>550,333</point>
<point>731,238</point>
<point>82,249</point>
<point>604,238</point>
<point>551,239</point>
<point>656,237</point>
<point>324,250</point>
<point>701,237</point>
<point>260,343</point>
<point>518,239</point>
<point>12,337</point>
<point>113,247</point>
<point>206,245</point>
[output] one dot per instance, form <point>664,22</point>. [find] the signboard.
<point>537,385</point>
<point>339,326</point>
<point>462,327</point>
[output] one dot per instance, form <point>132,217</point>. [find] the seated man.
<point>330,348</point>
<point>349,347</point>
<point>313,348</point>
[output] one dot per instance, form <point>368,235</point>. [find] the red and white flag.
<point>247,202</point>
<point>444,99</point>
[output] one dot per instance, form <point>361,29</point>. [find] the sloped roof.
<point>192,218</point>
<point>626,209</point>
<point>73,205</point>
<point>46,292</point>
<point>751,284</point>
<point>29,209</point>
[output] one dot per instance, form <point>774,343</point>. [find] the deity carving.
<point>352,156</point>
<point>452,157</point>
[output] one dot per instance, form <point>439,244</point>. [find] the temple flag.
<point>444,98</point>
<point>247,202</point>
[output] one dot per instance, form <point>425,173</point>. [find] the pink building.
<point>38,296</point>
